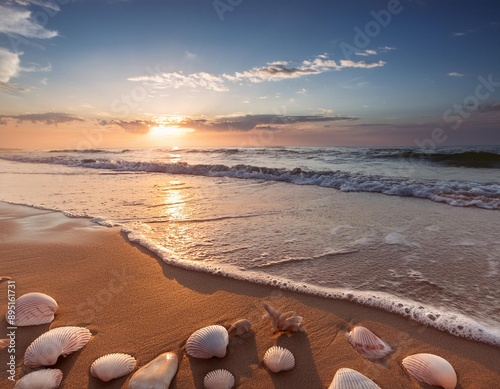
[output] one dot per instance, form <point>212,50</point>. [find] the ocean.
<point>406,230</point>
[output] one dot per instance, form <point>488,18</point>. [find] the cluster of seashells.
<point>207,342</point>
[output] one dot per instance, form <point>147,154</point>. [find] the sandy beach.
<point>134,303</point>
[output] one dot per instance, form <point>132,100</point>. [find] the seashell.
<point>431,369</point>
<point>279,358</point>
<point>287,321</point>
<point>112,366</point>
<point>41,379</point>
<point>351,379</point>
<point>367,343</point>
<point>4,278</point>
<point>157,374</point>
<point>33,309</point>
<point>46,349</point>
<point>218,379</point>
<point>208,342</point>
<point>4,343</point>
<point>240,327</point>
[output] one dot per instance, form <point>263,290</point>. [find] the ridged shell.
<point>112,366</point>
<point>367,343</point>
<point>240,327</point>
<point>4,343</point>
<point>351,379</point>
<point>46,349</point>
<point>218,379</point>
<point>208,342</point>
<point>34,309</point>
<point>157,374</point>
<point>41,379</point>
<point>431,369</point>
<point>278,359</point>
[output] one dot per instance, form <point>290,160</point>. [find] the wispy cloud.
<point>132,126</point>
<point>455,74</point>
<point>178,80</point>
<point>257,122</point>
<point>455,34</point>
<point>301,91</point>
<point>17,21</point>
<point>36,68</point>
<point>48,4</point>
<point>190,55</point>
<point>46,118</point>
<point>9,65</point>
<point>365,53</point>
<point>273,71</point>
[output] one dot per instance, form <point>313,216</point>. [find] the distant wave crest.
<point>456,193</point>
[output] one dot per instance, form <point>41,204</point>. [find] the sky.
<point>111,73</point>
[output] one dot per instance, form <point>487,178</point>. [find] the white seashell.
<point>41,379</point>
<point>287,321</point>
<point>208,342</point>
<point>279,358</point>
<point>367,343</point>
<point>4,278</point>
<point>157,374</point>
<point>218,379</point>
<point>431,369</point>
<point>351,379</point>
<point>112,366</point>
<point>33,309</point>
<point>46,349</point>
<point>4,343</point>
<point>240,327</point>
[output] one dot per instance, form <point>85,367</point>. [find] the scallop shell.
<point>367,343</point>
<point>33,309</point>
<point>46,349</point>
<point>112,366</point>
<point>41,379</point>
<point>431,369</point>
<point>351,379</point>
<point>208,342</point>
<point>157,374</point>
<point>218,379</point>
<point>240,327</point>
<point>279,358</point>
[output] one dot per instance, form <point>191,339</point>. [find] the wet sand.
<point>134,303</point>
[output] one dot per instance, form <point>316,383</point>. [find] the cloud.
<point>347,63</point>
<point>132,126</point>
<point>301,91</point>
<point>16,21</point>
<point>273,71</point>
<point>190,55</point>
<point>257,122</point>
<point>366,53</point>
<point>489,107</point>
<point>48,4</point>
<point>35,68</point>
<point>46,118</point>
<point>455,34</point>
<point>455,74</point>
<point>9,65</point>
<point>178,80</point>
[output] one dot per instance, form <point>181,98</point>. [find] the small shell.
<point>351,379</point>
<point>157,374</point>
<point>4,343</point>
<point>33,309</point>
<point>279,358</point>
<point>41,379</point>
<point>112,366</point>
<point>240,327</point>
<point>218,379</point>
<point>46,349</point>
<point>367,343</point>
<point>431,369</point>
<point>208,342</point>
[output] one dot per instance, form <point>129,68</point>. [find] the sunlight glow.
<point>161,130</point>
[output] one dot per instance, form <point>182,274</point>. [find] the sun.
<point>161,131</point>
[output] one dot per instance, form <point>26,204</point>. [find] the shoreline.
<point>135,303</point>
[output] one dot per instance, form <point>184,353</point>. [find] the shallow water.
<point>430,261</point>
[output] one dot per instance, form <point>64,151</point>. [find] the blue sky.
<point>315,72</point>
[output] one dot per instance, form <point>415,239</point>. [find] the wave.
<point>470,159</point>
<point>456,193</point>
<point>90,151</point>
